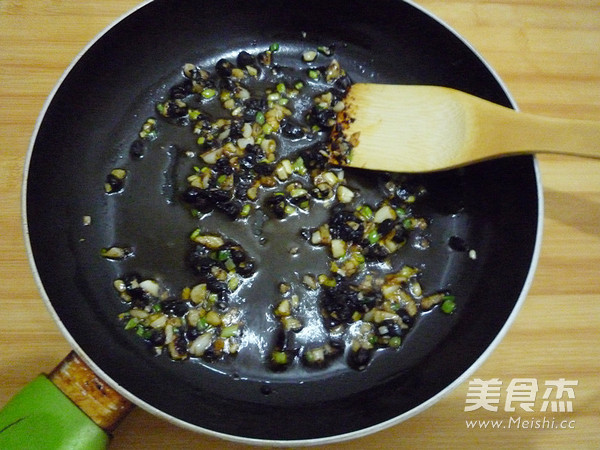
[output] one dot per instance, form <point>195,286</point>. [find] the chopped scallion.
<point>267,129</point>
<point>259,118</point>
<point>246,209</point>
<point>366,212</point>
<point>299,166</point>
<point>208,93</point>
<point>223,255</point>
<point>395,342</point>
<point>229,264</point>
<point>143,332</point>
<point>448,305</point>
<point>131,323</point>
<point>229,331</point>
<point>373,237</point>
<point>279,357</point>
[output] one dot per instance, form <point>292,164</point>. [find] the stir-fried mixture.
<point>365,301</point>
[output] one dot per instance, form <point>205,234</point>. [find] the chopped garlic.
<point>344,195</point>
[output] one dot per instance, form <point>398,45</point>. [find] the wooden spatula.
<point>425,128</point>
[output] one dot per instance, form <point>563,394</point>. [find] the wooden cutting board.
<point>548,54</point>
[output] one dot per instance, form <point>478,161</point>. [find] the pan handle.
<point>70,408</point>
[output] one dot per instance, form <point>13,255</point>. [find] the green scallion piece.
<point>408,224</point>
<point>449,304</point>
<point>299,166</point>
<point>267,128</point>
<point>208,93</point>
<point>324,280</point>
<point>279,357</point>
<point>359,257</point>
<point>143,332</point>
<point>229,264</point>
<point>314,74</point>
<point>246,209</point>
<point>366,212</point>
<point>373,237</point>
<point>259,118</point>
<point>234,281</point>
<point>274,46</point>
<point>229,331</point>
<point>324,50</point>
<point>395,342</point>
<point>131,323</point>
<point>202,324</point>
<point>213,298</point>
<point>223,255</point>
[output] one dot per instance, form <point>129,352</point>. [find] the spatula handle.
<point>69,409</point>
<point>510,132</point>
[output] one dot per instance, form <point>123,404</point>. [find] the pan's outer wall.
<point>384,41</point>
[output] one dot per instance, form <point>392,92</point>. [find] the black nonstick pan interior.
<point>87,129</point>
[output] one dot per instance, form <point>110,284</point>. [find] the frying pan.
<point>86,129</point>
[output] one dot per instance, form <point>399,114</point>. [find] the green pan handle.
<point>40,416</point>
<point>46,415</point>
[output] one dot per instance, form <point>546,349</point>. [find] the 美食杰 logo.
<point>522,395</point>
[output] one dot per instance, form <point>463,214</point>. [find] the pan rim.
<point>275,442</point>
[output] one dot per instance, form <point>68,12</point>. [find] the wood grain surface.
<point>548,54</point>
